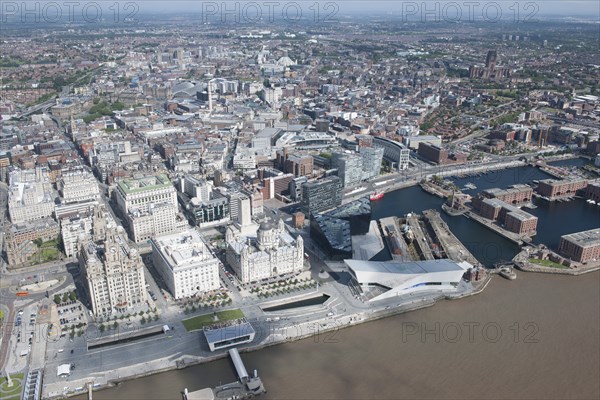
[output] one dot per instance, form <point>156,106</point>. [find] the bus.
<point>22,294</point>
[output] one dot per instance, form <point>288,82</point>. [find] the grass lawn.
<point>547,263</point>
<point>15,391</point>
<point>201,321</point>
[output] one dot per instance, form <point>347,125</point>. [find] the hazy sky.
<point>459,10</point>
<point>556,7</point>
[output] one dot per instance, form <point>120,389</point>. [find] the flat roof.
<point>228,332</point>
<point>408,267</point>
<point>145,183</point>
<point>589,238</point>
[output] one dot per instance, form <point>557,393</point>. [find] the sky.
<point>542,7</point>
<point>454,10</point>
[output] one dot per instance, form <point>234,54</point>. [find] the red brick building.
<point>516,194</point>
<point>553,188</point>
<point>582,246</point>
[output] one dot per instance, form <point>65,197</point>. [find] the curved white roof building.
<point>400,278</point>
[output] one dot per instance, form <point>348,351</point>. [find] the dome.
<point>265,226</point>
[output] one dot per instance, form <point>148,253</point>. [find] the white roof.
<point>63,369</point>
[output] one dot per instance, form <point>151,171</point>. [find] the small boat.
<point>376,196</point>
<point>508,273</point>
<point>591,201</point>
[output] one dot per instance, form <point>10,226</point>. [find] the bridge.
<point>394,152</point>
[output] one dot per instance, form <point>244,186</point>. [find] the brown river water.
<point>537,337</point>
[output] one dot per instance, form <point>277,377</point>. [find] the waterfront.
<point>557,356</point>
<point>537,314</point>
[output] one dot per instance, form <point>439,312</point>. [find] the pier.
<point>246,387</point>
<point>413,221</point>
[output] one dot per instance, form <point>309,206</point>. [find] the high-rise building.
<point>349,166</point>
<point>113,271</point>
<point>185,263</point>
<point>371,161</point>
<point>321,195</point>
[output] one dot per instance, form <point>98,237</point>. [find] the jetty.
<point>246,387</point>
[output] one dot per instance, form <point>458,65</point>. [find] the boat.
<point>591,201</point>
<point>508,273</point>
<point>376,196</point>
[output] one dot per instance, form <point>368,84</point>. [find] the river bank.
<point>324,329</point>
<point>521,325</point>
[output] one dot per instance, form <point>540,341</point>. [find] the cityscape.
<point>399,200</point>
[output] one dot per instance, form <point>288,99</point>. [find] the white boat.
<point>591,201</point>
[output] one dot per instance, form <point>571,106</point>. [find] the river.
<point>536,337</point>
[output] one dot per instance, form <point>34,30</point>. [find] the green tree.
<point>57,299</point>
<point>72,296</point>
<point>102,327</point>
<point>65,297</point>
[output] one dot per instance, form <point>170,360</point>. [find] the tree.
<point>143,320</point>
<point>57,299</point>
<point>115,325</point>
<point>65,297</point>
<point>102,327</point>
<point>72,296</point>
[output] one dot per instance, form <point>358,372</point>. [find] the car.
<point>20,312</point>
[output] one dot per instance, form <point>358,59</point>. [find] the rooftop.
<point>146,183</point>
<point>589,238</point>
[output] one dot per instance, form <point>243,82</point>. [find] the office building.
<point>113,271</point>
<point>149,205</point>
<point>185,263</point>
<point>267,251</point>
<point>349,166</point>
<point>371,161</point>
<point>321,195</point>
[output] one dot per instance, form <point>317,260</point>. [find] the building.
<point>491,71</point>
<point>413,142</point>
<point>321,195</point>
<point>592,191</point>
<point>20,238</point>
<point>78,186</point>
<point>371,161</point>
<point>149,205</point>
<point>349,166</point>
<point>298,165</point>
<point>582,247</point>
<point>512,218</point>
<point>552,188</point>
<point>296,187</point>
<point>29,196</point>
<point>231,335</point>
<point>298,220</point>
<point>72,228</point>
<point>515,194</point>
<point>185,263</point>
<point>263,252</point>
<point>391,279</point>
<point>394,152</point>
<point>439,155</point>
<point>113,271</point>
